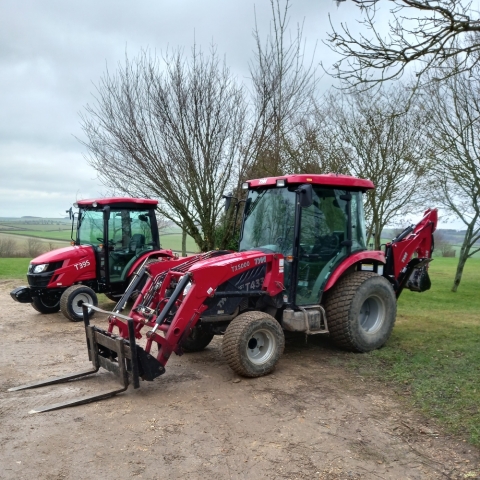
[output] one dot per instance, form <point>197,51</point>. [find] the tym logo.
<point>260,260</point>
<point>263,181</point>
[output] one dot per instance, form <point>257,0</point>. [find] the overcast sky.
<point>52,53</point>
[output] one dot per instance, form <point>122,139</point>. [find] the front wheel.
<point>72,300</point>
<point>197,341</point>
<point>46,304</point>
<point>361,310</point>
<point>253,344</point>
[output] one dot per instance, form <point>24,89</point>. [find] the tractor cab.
<point>314,221</point>
<point>120,230</point>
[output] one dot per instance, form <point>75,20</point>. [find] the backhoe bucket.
<point>120,356</point>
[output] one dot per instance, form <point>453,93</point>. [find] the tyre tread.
<point>65,300</point>
<point>338,305</point>
<point>234,335</point>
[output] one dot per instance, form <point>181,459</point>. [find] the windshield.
<point>268,220</point>
<point>90,227</point>
<point>127,229</point>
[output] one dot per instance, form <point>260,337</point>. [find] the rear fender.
<point>369,256</point>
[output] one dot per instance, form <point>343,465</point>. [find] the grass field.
<point>433,356</point>
<point>170,238</point>
<point>14,268</point>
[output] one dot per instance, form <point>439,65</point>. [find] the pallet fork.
<point>120,356</point>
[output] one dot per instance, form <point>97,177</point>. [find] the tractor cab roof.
<point>329,179</point>
<point>119,202</point>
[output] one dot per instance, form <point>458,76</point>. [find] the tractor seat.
<point>137,242</point>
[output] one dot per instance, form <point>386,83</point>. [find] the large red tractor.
<point>114,237</point>
<point>303,266</point>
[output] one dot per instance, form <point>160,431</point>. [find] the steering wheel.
<point>101,240</point>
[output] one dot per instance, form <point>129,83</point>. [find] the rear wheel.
<point>253,344</point>
<point>72,300</point>
<point>46,304</point>
<point>361,310</point>
<point>197,340</point>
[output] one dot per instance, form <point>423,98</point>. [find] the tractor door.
<point>130,235</point>
<point>331,228</point>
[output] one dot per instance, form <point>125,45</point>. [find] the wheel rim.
<point>260,347</point>
<point>372,314</point>
<point>78,301</point>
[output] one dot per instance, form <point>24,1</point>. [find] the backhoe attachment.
<point>120,356</point>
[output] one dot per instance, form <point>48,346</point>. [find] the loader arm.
<point>203,279</point>
<point>408,255</point>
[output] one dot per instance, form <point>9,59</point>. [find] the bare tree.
<point>314,147</point>
<point>8,247</point>
<point>443,247</point>
<point>384,146</point>
<point>424,33</point>
<point>174,129</point>
<point>33,247</point>
<point>454,116</point>
<point>283,88</point>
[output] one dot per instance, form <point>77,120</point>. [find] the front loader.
<point>302,266</point>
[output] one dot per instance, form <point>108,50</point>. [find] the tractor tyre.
<point>46,304</point>
<point>361,310</point>
<point>253,344</point>
<point>72,299</point>
<point>197,340</point>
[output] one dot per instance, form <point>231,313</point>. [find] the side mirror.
<point>228,200</point>
<point>305,193</point>
<point>69,211</point>
<point>143,218</point>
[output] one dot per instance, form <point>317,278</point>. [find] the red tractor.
<point>303,266</point>
<point>114,236</point>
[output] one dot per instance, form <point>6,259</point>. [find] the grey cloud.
<point>52,53</point>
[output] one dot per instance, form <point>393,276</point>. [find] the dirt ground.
<point>310,419</point>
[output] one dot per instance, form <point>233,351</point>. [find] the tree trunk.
<point>184,243</point>
<point>461,261</point>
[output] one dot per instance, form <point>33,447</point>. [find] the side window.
<point>141,229</point>
<point>129,230</point>
<point>358,222</point>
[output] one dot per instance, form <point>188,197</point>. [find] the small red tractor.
<point>114,237</point>
<point>302,266</point>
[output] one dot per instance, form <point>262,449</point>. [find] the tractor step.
<point>118,355</point>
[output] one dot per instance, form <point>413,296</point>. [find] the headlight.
<point>40,268</point>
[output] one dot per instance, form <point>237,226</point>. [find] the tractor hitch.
<point>120,356</point>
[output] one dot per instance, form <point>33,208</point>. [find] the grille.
<point>39,279</point>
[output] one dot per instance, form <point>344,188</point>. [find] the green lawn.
<point>14,268</point>
<point>171,238</point>
<point>174,242</point>
<point>47,234</point>
<point>433,356</point>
